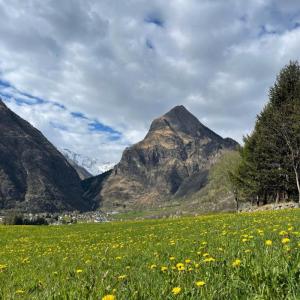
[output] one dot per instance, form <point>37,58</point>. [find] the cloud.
<point>95,65</point>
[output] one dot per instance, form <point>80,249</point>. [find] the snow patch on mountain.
<point>92,165</point>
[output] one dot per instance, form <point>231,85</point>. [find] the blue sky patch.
<point>155,20</point>
<point>97,126</point>
<point>79,115</point>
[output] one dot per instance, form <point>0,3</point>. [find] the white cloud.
<point>216,57</point>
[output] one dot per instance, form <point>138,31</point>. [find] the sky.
<point>93,74</point>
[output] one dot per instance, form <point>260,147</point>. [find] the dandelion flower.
<point>268,242</point>
<point>236,263</point>
<point>176,290</point>
<point>285,240</point>
<point>282,232</point>
<point>163,268</point>
<point>200,283</point>
<point>209,259</point>
<point>180,267</point>
<point>78,271</point>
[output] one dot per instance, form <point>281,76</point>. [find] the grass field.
<point>244,256</point>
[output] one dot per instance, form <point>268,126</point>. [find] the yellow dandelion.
<point>176,290</point>
<point>153,267</point>
<point>282,232</point>
<point>200,283</point>
<point>164,269</point>
<point>268,242</point>
<point>78,271</point>
<point>187,261</point>
<point>180,267</point>
<point>209,259</point>
<point>3,267</point>
<point>121,277</point>
<point>172,258</point>
<point>236,263</point>
<point>285,240</point>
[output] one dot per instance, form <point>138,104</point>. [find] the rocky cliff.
<point>34,175</point>
<point>172,161</point>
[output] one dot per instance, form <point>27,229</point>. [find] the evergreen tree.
<point>270,166</point>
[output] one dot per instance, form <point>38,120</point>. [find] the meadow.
<point>224,256</point>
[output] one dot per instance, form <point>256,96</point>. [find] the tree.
<point>282,121</point>
<point>270,164</point>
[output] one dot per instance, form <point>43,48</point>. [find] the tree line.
<point>269,166</point>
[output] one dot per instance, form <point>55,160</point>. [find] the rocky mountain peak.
<point>180,121</point>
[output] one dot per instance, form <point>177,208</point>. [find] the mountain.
<point>171,162</point>
<point>86,166</point>
<point>81,171</point>
<point>34,175</point>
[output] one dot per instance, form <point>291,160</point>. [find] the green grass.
<point>88,261</point>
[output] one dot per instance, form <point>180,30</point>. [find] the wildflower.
<point>121,277</point>
<point>109,297</point>
<point>172,258</point>
<point>163,268</point>
<point>20,291</point>
<point>118,258</point>
<point>236,263</point>
<point>247,251</point>
<point>285,240</point>
<point>176,290</point>
<point>282,232</point>
<point>180,267</point>
<point>268,242</point>
<point>2,267</point>
<point>209,259</point>
<point>153,267</point>
<point>200,283</point>
<point>187,261</point>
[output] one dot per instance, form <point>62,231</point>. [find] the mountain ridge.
<point>34,175</point>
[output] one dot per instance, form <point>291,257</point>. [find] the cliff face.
<point>34,175</point>
<point>172,161</point>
